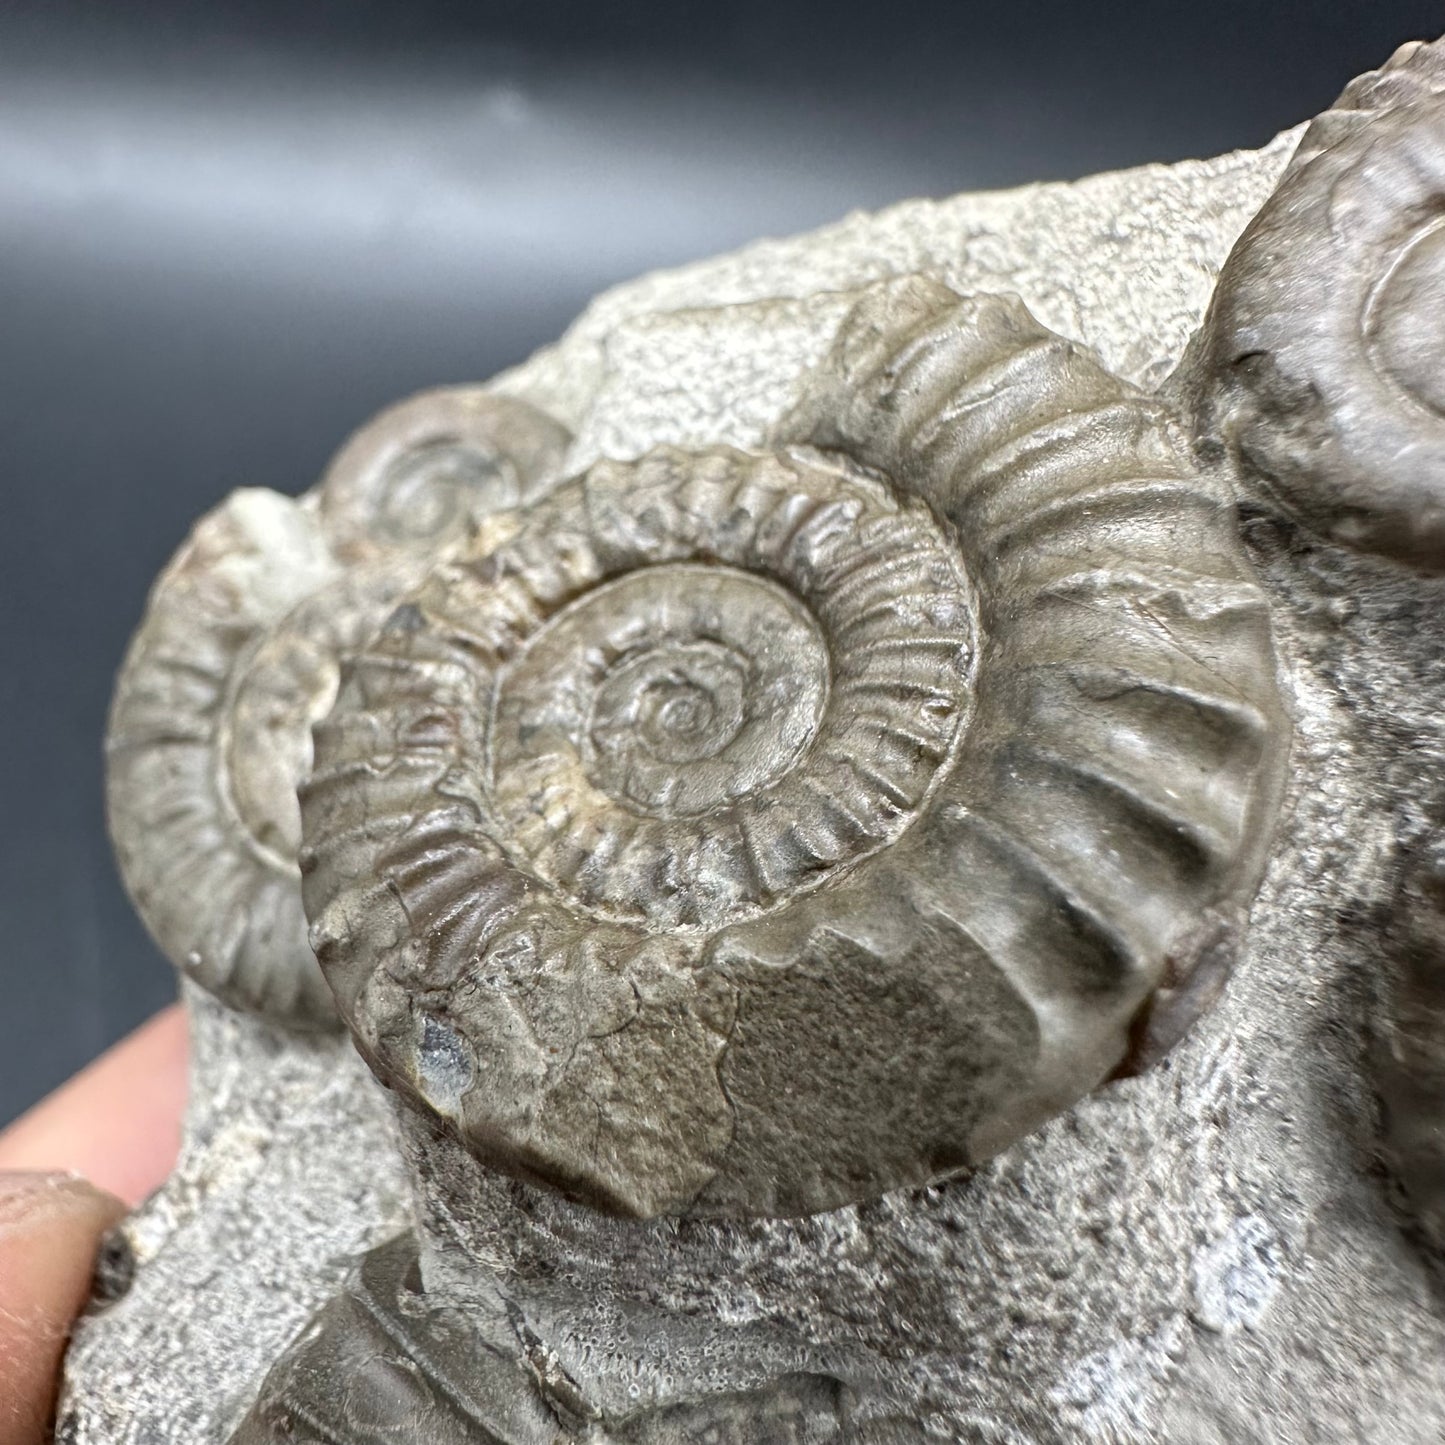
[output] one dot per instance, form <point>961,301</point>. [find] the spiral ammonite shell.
<point>1322,358</point>
<point>238,655</point>
<point>741,833</point>
<point>421,473</point>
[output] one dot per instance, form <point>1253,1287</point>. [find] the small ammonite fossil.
<point>737,833</point>
<point>238,655</point>
<point>1320,367</point>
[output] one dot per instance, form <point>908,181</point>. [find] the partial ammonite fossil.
<point>748,833</point>
<point>1320,366</point>
<point>238,655</point>
<point>382,1362</point>
<point>1410,1062</point>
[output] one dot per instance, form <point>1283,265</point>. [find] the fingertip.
<point>33,1200</point>
<point>50,1229</point>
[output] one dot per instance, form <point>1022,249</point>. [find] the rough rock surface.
<point>1207,1253</point>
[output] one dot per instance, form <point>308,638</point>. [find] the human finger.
<point>50,1229</point>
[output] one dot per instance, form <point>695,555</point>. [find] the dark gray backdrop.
<point>229,232</point>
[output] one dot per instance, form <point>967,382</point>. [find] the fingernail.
<point>29,1194</point>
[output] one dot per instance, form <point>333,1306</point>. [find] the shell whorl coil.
<point>1319,367</point>
<point>238,656</point>
<point>737,833</point>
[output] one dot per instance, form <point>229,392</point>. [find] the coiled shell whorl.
<point>238,655</point>
<point>1320,365</point>
<point>423,473</point>
<point>740,833</point>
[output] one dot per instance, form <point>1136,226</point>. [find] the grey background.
<point>230,232</point>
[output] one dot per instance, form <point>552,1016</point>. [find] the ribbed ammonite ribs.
<point>741,833</point>
<point>238,655</point>
<point>1319,367</point>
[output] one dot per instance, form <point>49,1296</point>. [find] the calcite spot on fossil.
<point>443,1066</point>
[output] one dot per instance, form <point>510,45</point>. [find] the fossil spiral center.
<point>685,690</point>
<point>682,704</point>
<point>705,685</point>
<point>430,490</point>
<point>1402,327</point>
<point>649,709</point>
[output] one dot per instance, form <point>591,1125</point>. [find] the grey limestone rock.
<point>878,809</point>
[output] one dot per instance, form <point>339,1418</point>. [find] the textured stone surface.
<point>289,1167</point>
<point>1208,1252</point>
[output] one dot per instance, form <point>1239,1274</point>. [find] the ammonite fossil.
<point>737,833</point>
<point>1410,1063</point>
<point>1321,361</point>
<point>238,656</point>
<point>382,1363</point>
